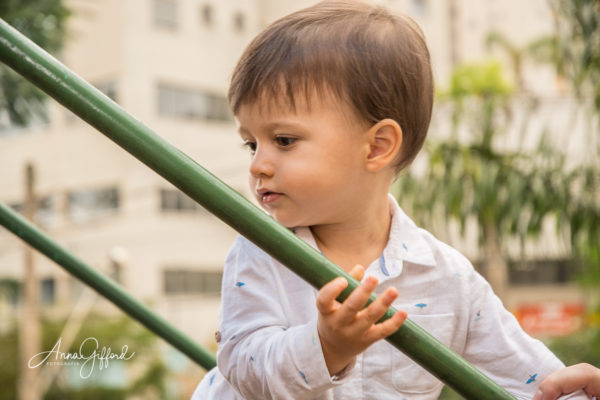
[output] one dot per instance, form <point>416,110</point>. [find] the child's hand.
<point>347,329</point>
<point>570,379</point>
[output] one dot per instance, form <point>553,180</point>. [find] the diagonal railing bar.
<point>91,105</point>
<point>104,286</point>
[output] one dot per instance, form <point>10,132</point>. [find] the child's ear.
<point>385,142</point>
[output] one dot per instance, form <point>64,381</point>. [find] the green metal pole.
<point>103,285</point>
<point>84,100</point>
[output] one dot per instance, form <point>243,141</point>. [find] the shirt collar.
<point>407,241</point>
<point>405,244</point>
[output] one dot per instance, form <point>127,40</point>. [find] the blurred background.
<point>509,175</point>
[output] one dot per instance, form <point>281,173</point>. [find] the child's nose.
<point>261,164</point>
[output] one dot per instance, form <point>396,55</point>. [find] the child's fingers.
<point>387,327</point>
<point>358,272</point>
<point>357,300</point>
<point>568,380</point>
<point>377,309</point>
<point>326,303</point>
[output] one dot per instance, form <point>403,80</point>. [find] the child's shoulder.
<point>454,267</point>
<point>445,254</point>
<point>425,247</point>
<point>243,246</point>
<point>244,255</point>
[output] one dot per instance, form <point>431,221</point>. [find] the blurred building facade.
<point>168,62</point>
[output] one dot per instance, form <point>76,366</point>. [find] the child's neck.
<point>359,240</point>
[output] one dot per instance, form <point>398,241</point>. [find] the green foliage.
<point>575,51</point>
<point>481,79</point>
<point>151,381</point>
<point>583,346</point>
<point>513,191</point>
<point>506,189</point>
<point>9,349</point>
<point>44,22</point>
<point>509,192</point>
<point>88,393</point>
<point>582,215</point>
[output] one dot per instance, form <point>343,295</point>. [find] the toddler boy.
<point>332,102</point>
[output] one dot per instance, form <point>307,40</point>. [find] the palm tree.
<point>575,49</point>
<point>575,53</point>
<point>508,192</point>
<point>515,53</point>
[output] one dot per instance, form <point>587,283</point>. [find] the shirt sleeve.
<point>260,354</point>
<point>498,346</point>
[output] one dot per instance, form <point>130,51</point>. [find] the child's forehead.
<point>270,104</point>
<point>295,100</point>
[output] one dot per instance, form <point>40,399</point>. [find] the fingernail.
<point>538,395</point>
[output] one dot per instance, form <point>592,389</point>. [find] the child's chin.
<point>285,222</point>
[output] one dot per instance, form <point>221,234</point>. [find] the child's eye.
<point>251,146</point>
<point>285,141</point>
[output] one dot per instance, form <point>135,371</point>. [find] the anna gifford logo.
<point>89,353</point>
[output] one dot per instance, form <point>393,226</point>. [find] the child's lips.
<point>268,197</point>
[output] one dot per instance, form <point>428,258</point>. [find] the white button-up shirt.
<point>270,349</point>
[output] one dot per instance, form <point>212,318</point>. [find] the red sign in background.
<point>550,319</point>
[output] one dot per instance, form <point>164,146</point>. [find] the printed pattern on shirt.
<point>531,379</point>
<point>382,266</point>
<point>303,376</point>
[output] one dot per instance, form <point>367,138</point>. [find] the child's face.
<point>307,165</point>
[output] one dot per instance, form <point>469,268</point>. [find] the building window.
<point>185,281</point>
<point>165,13</point>
<point>173,200</point>
<point>10,291</point>
<point>541,272</point>
<point>25,114</point>
<point>239,21</point>
<point>45,213</point>
<point>419,7</point>
<point>89,204</point>
<point>47,291</point>
<point>109,88</point>
<point>207,15</point>
<point>192,104</point>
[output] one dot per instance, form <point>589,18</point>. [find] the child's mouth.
<point>268,197</point>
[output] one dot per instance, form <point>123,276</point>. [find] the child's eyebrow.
<point>243,131</point>
<point>282,124</point>
<point>272,126</point>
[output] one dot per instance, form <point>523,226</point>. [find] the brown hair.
<point>373,60</point>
